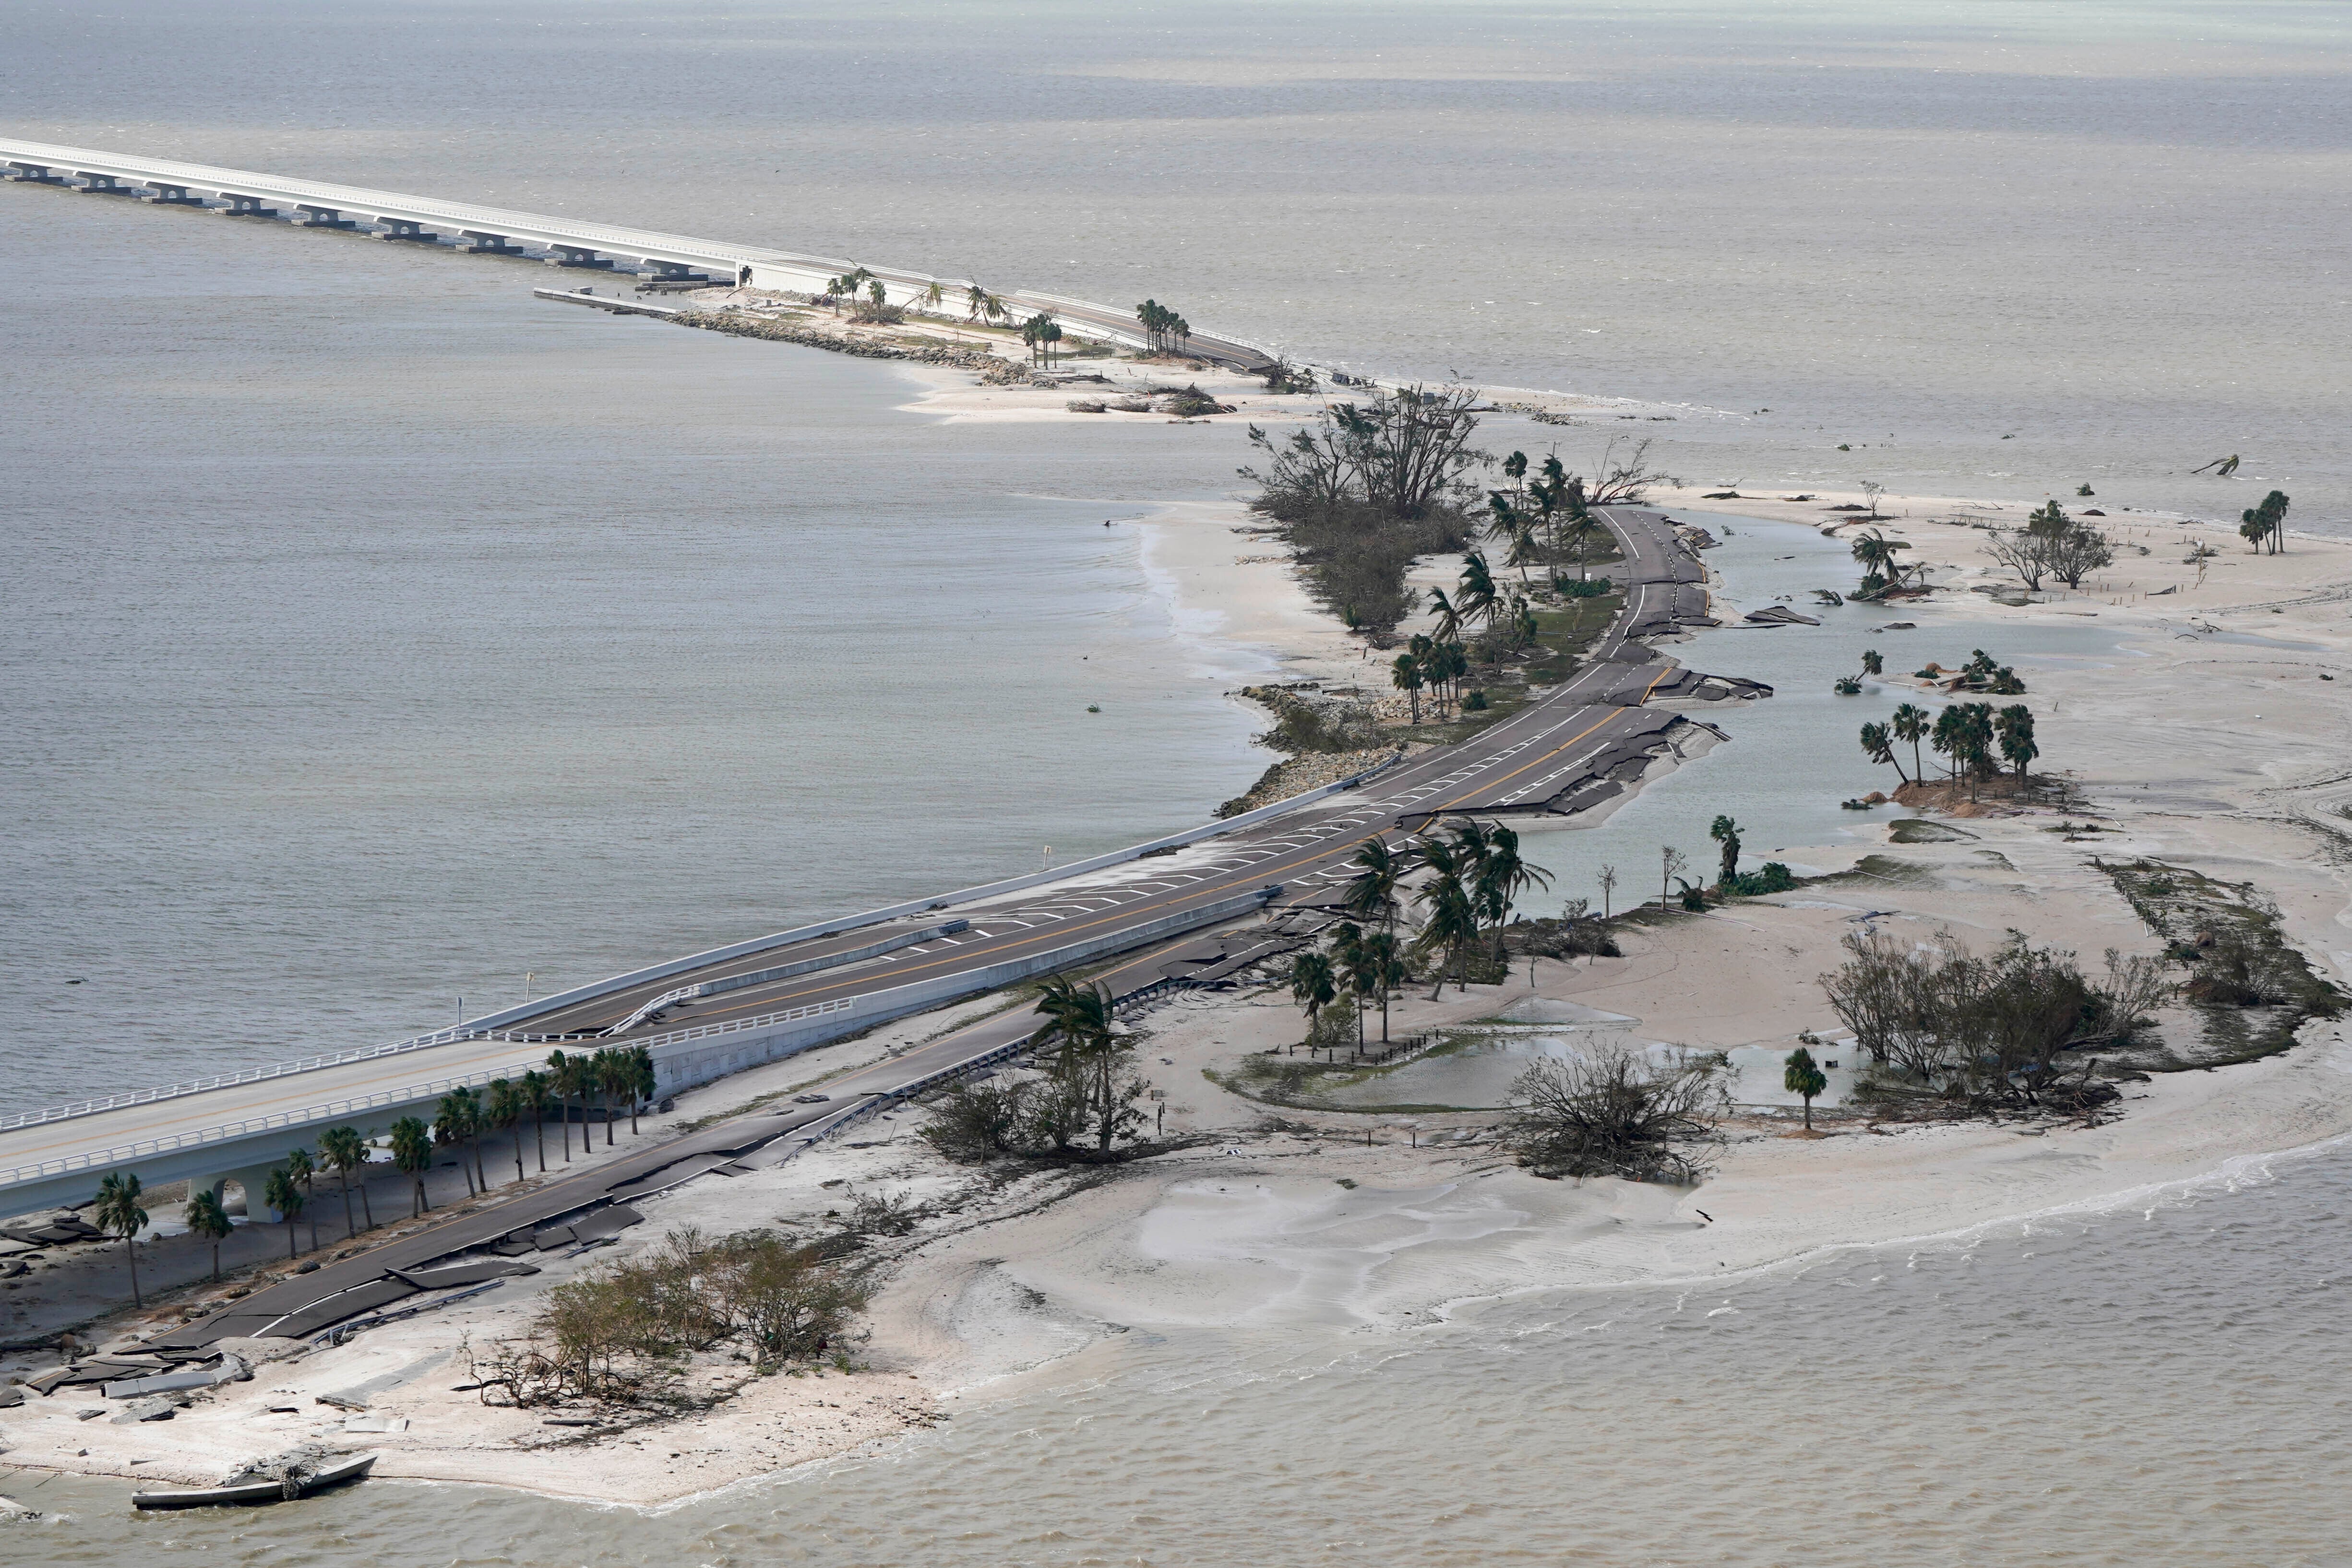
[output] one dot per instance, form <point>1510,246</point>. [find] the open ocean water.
<point>371,636</point>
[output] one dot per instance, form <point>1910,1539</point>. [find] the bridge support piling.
<point>675,272</point>
<point>402,228</point>
<point>255,1182</point>
<point>172,195</point>
<point>322,217</point>
<point>477,243</point>
<point>244,207</point>
<point>577,255</point>
<point>105,185</point>
<point>34,174</point>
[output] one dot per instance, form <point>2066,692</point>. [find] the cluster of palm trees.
<point>980,304</point>
<point>1474,876</point>
<point>1041,332</point>
<point>2265,524</point>
<point>849,285</point>
<point>1541,518</point>
<point>1081,1023</point>
<point>1163,327</point>
<point>1438,659</point>
<point>1969,735</point>
<point>1882,570</point>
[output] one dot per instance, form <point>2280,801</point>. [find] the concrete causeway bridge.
<point>714,1013</point>
<point>563,242</point>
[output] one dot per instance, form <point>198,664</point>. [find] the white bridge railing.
<point>257,1075</point>
<point>406,1094</point>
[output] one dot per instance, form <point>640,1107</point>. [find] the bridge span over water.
<point>559,241</point>
<point>711,1014</point>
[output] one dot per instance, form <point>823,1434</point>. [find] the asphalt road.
<point>1555,750</point>
<point>1536,755</point>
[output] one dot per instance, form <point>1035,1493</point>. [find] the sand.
<point>2219,750</point>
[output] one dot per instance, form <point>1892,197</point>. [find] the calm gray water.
<point>2163,1384</point>
<point>375,635</point>
<point>370,636</point>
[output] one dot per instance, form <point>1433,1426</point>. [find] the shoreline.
<point>1080,1251</point>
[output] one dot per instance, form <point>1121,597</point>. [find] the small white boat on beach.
<point>249,1489</point>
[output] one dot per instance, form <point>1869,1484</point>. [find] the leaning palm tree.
<point>1353,959</point>
<point>1381,870</point>
<point>932,295</point>
<point>1450,928</point>
<point>976,299</point>
<point>1405,676</point>
<point>1502,877</point>
<point>283,1193</point>
<point>207,1218</point>
<point>1475,595</point>
<point>1449,617</point>
<point>411,1155</point>
<point>344,1151</point>
<point>1878,744</point>
<point>119,1213</point>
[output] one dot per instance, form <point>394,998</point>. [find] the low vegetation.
<point>624,1334</point>
<point>1953,1032</point>
<point>2252,989</point>
<point>2052,545</point>
<point>1616,1113</point>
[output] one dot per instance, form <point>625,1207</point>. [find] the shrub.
<point>1614,1114</point>
<point>1774,877</point>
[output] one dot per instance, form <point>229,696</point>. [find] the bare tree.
<point>1671,862</point>
<point>1616,1113</point>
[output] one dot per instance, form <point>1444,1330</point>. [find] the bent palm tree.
<point>1726,831</point>
<point>1371,892</point>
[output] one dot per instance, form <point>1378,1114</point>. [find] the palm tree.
<point>562,1078</point>
<point>643,1082</point>
<point>1451,928</point>
<point>1910,723</point>
<point>119,1213</point>
<point>1311,986</point>
<point>1387,967</point>
<point>1726,831</point>
<point>501,1110</point>
<point>1800,1077</point>
<point>207,1218</point>
<point>615,1075</point>
<point>1876,553</point>
<point>1371,892</point>
<point>1608,886</point>
<point>345,1152</point>
<point>1477,598</point>
<point>1878,744</point>
<point>1502,877</point>
<point>1405,676</point>
<point>411,1154</point>
<point>2014,727</point>
<point>975,297</point>
<point>533,1088</point>
<point>300,1166</point>
<point>932,295</point>
<point>284,1194</point>
<point>1084,1020</point>
<point>1449,618</point>
<point>453,1124</point>
<point>1872,664</point>
<point>1352,963</point>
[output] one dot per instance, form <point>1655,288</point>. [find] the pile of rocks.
<point>993,371</point>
